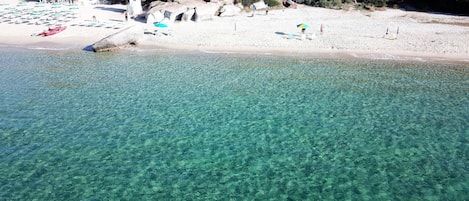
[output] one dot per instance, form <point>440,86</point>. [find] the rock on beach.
<point>128,36</point>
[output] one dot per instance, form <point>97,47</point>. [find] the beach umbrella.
<point>302,26</point>
<point>161,25</point>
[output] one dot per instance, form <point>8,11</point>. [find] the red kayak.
<point>52,31</point>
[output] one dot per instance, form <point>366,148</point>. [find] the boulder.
<point>229,10</point>
<point>188,14</point>
<point>134,8</point>
<point>169,10</point>
<point>154,17</point>
<point>289,4</point>
<point>259,5</point>
<point>185,10</point>
<point>128,36</point>
<point>205,11</point>
<point>156,3</point>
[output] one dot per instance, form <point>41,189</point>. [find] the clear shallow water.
<point>83,126</point>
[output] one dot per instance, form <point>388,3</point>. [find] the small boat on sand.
<point>52,31</point>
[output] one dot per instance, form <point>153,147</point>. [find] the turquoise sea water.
<point>194,126</point>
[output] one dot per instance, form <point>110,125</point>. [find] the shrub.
<point>377,3</point>
<point>330,3</point>
<point>270,3</point>
<point>324,3</point>
<point>247,3</point>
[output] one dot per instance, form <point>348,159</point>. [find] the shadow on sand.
<point>88,48</point>
<point>117,10</point>
<point>287,35</point>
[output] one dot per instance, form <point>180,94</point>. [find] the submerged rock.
<point>128,36</point>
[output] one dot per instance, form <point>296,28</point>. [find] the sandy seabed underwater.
<point>197,126</point>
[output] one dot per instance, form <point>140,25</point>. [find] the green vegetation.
<point>338,4</point>
<point>272,3</point>
<point>362,3</point>
<point>450,6</point>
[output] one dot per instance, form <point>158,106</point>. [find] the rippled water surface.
<point>187,126</point>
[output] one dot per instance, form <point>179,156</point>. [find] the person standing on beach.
<point>254,10</point>
<point>387,32</point>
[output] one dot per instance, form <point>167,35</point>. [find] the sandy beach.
<point>332,32</point>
